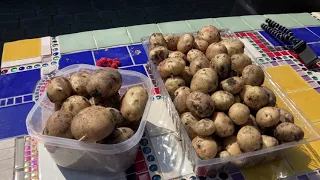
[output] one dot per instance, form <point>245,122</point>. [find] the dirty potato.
<point>255,97</point>
<point>193,53</point>
<point>59,124</point>
<point>231,145</point>
<point>187,75</point>
<point>173,83</point>
<point>253,75</point>
<point>200,104</point>
<point>74,104</point>
<point>200,44</point>
<point>268,117</point>
<point>178,54</point>
<point>158,54</point>
<point>156,40</point>
<point>185,43</point>
<point>221,63</point>
<point>205,147</point>
<point>209,33</point>
<point>233,85</point>
<point>271,96</point>
<point>188,120</point>
<point>288,132</point>
<point>172,41</point>
<point>204,127</point>
<point>214,49</point>
<point>59,89</point>
<point>78,82</point>
<point>224,125</point>
<point>205,80</point>
<point>239,113</point>
<point>234,46</point>
<point>222,100</point>
<point>180,96</point>
<point>286,116</point>
<point>268,141</point>
<point>249,139</point>
<point>239,62</point>
<point>198,63</point>
<point>171,67</point>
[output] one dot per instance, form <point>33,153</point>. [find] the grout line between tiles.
<point>214,19</point>
<point>159,28</point>
<point>130,56</point>
<point>295,20</point>
<point>189,25</point>
<point>252,29</point>
<point>94,58</point>
<point>128,33</point>
<point>95,40</point>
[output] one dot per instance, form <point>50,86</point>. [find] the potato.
<point>209,33</point>
<point>78,82</point>
<point>250,122</point>
<point>74,104</point>
<point>252,75</point>
<point>249,139</point>
<point>200,104</point>
<point>255,97</point>
<point>205,147</point>
<point>231,145</point>
<point>158,54</point>
<point>233,85</point>
<point>224,154</point>
<point>198,63</point>
<point>193,53</point>
<point>57,106</point>
<point>239,113</point>
<point>133,103</point>
<point>218,140</point>
<point>288,132</point>
<point>178,54</point>
<point>224,125</point>
<point>172,41</point>
<point>188,120</point>
<point>214,49</point>
<point>173,83</point>
<point>59,124</point>
<point>119,135</point>
<point>221,64</point>
<point>200,44</point>
<point>268,141</point>
<point>187,75</point>
<point>185,43</point>
<point>243,91</point>
<point>156,40</point>
<point>205,80</point>
<point>113,101</point>
<point>286,116</point>
<point>268,117</point>
<point>204,127</point>
<point>222,100</point>
<point>59,89</point>
<point>237,98</point>
<point>271,96</point>
<point>239,62</point>
<point>93,124</point>
<point>180,96</point>
<point>104,82</point>
<point>171,67</point>
<point>233,46</point>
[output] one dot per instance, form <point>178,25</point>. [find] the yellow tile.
<point>316,147</point>
<point>287,78</point>
<point>23,49</point>
<point>317,125</point>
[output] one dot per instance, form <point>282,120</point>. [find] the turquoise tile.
<point>235,24</point>
<point>254,21</point>
<point>139,31</point>
<point>197,24</point>
<point>305,19</point>
<point>111,37</point>
<point>175,27</point>
<point>76,42</point>
<point>284,20</point>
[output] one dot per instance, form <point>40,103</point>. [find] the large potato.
<point>188,120</point>
<point>173,83</point>
<point>200,44</point>
<point>286,116</point>
<point>180,96</point>
<point>214,49</point>
<point>204,127</point>
<point>205,147</point>
<point>187,75</point>
<point>224,125</point>
<point>221,63</point>
<point>239,62</point>
<point>78,82</point>
<point>171,67</point>
<point>200,104</point>
<point>268,141</point>
<point>74,104</point>
<point>178,54</point>
<point>239,113</point>
<point>234,46</point>
<point>198,63</point>
<point>59,89</point>
<point>231,145</point>
<point>156,40</point>
<point>185,43</point>
<point>158,54</point>
<point>205,80</point>
<point>253,75</point>
<point>193,53</point>
<point>268,117</point>
<point>271,96</point>
<point>288,132</point>
<point>209,33</point>
<point>104,82</point>
<point>172,41</point>
<point>233,85</point>
<point>255,97</point>
<point>222,100</point>
<point>59,124</point>
<point>249,139</point>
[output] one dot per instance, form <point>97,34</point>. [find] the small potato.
<point>193,53</point>
<point>200,104</point>
<point>156,40</point>
<point>224,154</point>
<point>224,125</point>
<point>271,96</point>
<point>188,120</point>
<point>221,64</point>
<point>173,83</point>
<point>268,141</point>
<point>243,91</point>
<point>59,124</point>
<point>249,139</point>
<point>113,101</point>
<point>133,103</point>
<point>178,54</point>
<point>198,63</point>
<point>185,43</point>
<point>239,62</point>
<point>233,85</point>
<point>255,98</point>
<point>59,89</point>
<point>118,135</point>
<point>288,132</point>
<point>78,82</point>
<point>74,104</point>
<point>222,100</point>
<point>204,127</point>
<point>158,54</point>
<point>268,117</point>
<point>172,41</point>
<point>209,33</point>
<point>214,49</point>
<point>200,44</point>
<point>187,75</point>
<point>239,113</point>
<point>171,67</point>
<point>205,147</point>
<point>253,75</point>
<point>286,116</point>
<point>180,96</point>
<point>234,46</point>
<point>231,145</point>
<point>205,80</point>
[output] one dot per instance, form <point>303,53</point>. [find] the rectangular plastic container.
<point>210,167</point>
<point>90,157</point>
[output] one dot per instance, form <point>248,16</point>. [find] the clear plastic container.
<point>90,157</point>
<point>210,167</point>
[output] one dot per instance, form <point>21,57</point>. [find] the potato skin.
<point>178,54</point>
<point>180,96</point>
<point>133,103</point>
<point>233,85</point>
<point>239,62</point>
<point>221,63</point>
<point>205,147</point>
<point>185,43</point>
<point>112,102</point>
<point>209,33</point>
<point>200,104</point>
<point>158,54</point>
<point>205,80</point>
<point>268,141</point>
<point>253,75</point>
<point>172,41</point>
<point>271,96</point>
<point>249,139</point>
<point>59,124</point>
<point>286,116</point>
<point>255,97</point>
<point>231,145</point>
<point>288,132</point>
<point>119,135</point>
<point>268,117</point>
<point>193,53</point>
<point>224,125</point>
<point>198,63</point>
<point>239,113</point>
<point>204,127</point>
<point>171,67</point>
<point>78,82</point>
<point>59,89</point>
<point>188,120</point>
<point>222,100</point>
<point>200,44</point>
<point>173,83</point>
<point>233,46</point>
<point>187,75</point>
<point>214,49</point>
<point>156,40</point>
<point>74,104</point>
<point>243,91</point>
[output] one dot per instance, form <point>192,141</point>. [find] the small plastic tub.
<point>89,157</point>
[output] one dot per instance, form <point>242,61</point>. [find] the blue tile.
<point>18,100</point>
<point>272,40</point>
<point>13,123</point>
<point>314,175</point>
<point>10,101</point>
<point>138,54</point>
<point>18,83</point>
<point>303,177</point>
<point>315,30</point>
<point>84,57</point>
<point>3,102</point>
<point>27,98</point>
<point>237,176</point>
<point>116,52</point>
<point>316,48</point>
<point>139,69</point>
<point>305,34</point>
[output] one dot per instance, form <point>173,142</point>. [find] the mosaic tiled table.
<point>26,62</point>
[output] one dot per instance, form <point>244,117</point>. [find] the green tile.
<point>175,27</point>
<point>235,24</point>
<point>284,20</point>
<point>197,24</point>
<point>137,32</point>
<point>76,42</point>
<point>254,21</point>
<point>305,19</point>
<point>111,37</point>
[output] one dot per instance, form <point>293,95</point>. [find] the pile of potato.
<point>88,107</point>
<point>219,95</point>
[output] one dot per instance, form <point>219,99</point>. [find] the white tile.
<point>7,153</point>
<point>7,143</point>
<point>6,175</point>
<point>6,164</point>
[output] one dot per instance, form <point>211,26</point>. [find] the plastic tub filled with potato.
<point>91,118</point>
<point>227,109</point>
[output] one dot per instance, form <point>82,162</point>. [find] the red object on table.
<point>108,62</point>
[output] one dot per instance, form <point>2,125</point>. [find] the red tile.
<point>250,34</point>
<point>266,50</point>
<point>261,45</point>
<point>140,166</point>
<point>242,34</point>
<point>271,55</point>
<point>258,41</point>
<point>143,176</point>
<point>277,53</point>
<point>156,91</point>
<point>291,52</point>
<point>238,35</point>
<point>139,156</point>
<point>284,53</point>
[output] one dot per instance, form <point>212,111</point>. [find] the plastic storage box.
<point>210,167</point>
<point>90,157</point>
